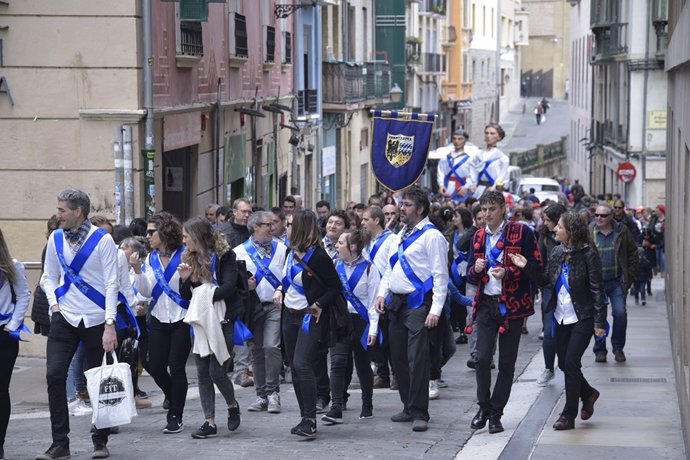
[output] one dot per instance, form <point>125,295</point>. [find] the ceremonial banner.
<point>399,148</point>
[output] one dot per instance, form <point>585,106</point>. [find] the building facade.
<point>677,233</point>
<point>629,98</point>
<point>545,63</point>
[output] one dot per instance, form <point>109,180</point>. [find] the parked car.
<point>544,187</point>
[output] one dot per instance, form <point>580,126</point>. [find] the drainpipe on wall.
<point>149,145</point>
<point>127,177</point>
<point>216,149</point>
<point>643,154</point>
<point>118,210</point>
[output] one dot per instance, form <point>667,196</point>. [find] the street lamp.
<point>395,94</point>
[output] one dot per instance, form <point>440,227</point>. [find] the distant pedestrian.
<point>539,112</point>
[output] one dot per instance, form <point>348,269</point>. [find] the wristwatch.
<point>109,322</point>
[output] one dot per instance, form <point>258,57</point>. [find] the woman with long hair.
<point>14,302</point>
<point>209,274</point>
<point>547,241</point>
<point>310,287</point>
<point>169,336</point>
<point>573,277</point>
<point>360,281</point>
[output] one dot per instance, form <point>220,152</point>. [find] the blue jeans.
<point>76,382</point>
<point>614,294</point>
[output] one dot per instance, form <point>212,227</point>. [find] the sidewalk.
<point>636,417</point>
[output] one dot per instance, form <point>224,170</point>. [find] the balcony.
<point>191,45</point>
<point>431,62</point>
<point>603,13</point>
<point>349,83</point>
<point>433,6</point>
<point>609,42</point>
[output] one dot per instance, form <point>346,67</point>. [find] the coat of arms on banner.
<point>399,149</point>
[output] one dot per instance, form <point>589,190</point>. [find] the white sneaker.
<point>545,377</point>
<point>434,392</point>
<point>261,404</point>
<point>274,403</point>
<point>78,407</point>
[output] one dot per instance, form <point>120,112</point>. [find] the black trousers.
<point>323,384</point>
<point>571,342</point>
<point>381,354</point>
<point>301,348</point>
<point>489,319</point>
<point>341,365</point>
<point>169,346</point>
<point>9,348</point>
<point>409,345</point>
<point>63,340</point>
<point>441,346</point>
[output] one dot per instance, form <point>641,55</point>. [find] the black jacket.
<point>228,283</point>
<point>584,279</point>
<point>235,234</point>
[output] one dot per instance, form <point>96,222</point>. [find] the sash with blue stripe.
<point>72,277</point>
<point>454,172</point>
<point>492,256</point>
<point>163,279</point>
<point>22,327</point>
<point>294,269</point>
<point>416,298</point>
<point>455,266</point>
<point>241,332</point>
<point>485,172</point>
<point>349,285</point>
<point>378,243</point>
<point>561,282</point>
<point>262,263</point>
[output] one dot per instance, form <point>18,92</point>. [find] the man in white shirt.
<point>83,307</point>
<point>454,172</point>
<point>265,258</point>
<point>419,266</point>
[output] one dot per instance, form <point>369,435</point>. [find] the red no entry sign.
<point>626,172</point>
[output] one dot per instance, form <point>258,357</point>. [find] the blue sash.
<point>563,279</point>
<point>262,263</point>
<point>416,298</point>
<point>163,279</point>
<point>241,332</point>
<point>454,172</point>
<point>378,243</point>
<point>485,172</point>
<point>120,323</point>
<point>22,327</point>
<point>72,270</point>
<point>293,270</point>
<point>349,285</point>
<point>455,266</point>
<point>492,256</point>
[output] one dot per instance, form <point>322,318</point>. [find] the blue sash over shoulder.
<point>416,298</point>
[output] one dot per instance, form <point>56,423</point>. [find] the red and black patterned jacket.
<point>517,292</point>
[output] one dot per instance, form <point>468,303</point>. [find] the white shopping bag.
<point>111,393</point>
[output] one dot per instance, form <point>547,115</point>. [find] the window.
<point>466,14</point>
<point>465,67</point>
<point>270,41</point>
<point>238,36</point>
<point>191,42</point>
<point>287,47</point>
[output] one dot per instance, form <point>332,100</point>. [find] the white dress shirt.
<point>428,256</point>
<point>293,299</point>
<point>264,289</point>
<point>365,291</point>
<point>22,294</point>
<point>494,286</point>
<point>99,271</point>
<point>565,310</point>
<point>165,310</point>
<point>123,278</point>
<point>464,170</point>
<point>497,169</point>
<point>382,255</point>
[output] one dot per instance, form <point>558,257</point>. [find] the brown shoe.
<point>588,405</point>
<point>381,382</point>
<point>564,423</point>
<point>619,355</point>
<point>600,357</point>
<point>142,403</point>
<point>394,383</point>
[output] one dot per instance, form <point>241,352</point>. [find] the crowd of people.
<point>387,288</point>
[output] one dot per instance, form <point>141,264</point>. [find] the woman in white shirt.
<point>360,280</point>
<point>490,164</point>
<point>169,337</point>
<point>14,302</point>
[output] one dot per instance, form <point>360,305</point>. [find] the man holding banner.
<point>418,266</point>
<point>80,281</point>
<point>454,170</point>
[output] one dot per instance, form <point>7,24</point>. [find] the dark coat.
<point>235,234</point>
<point>516,286</point>
<point>584,279</point>
<point>626,252</point>
<point>229,288</point>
